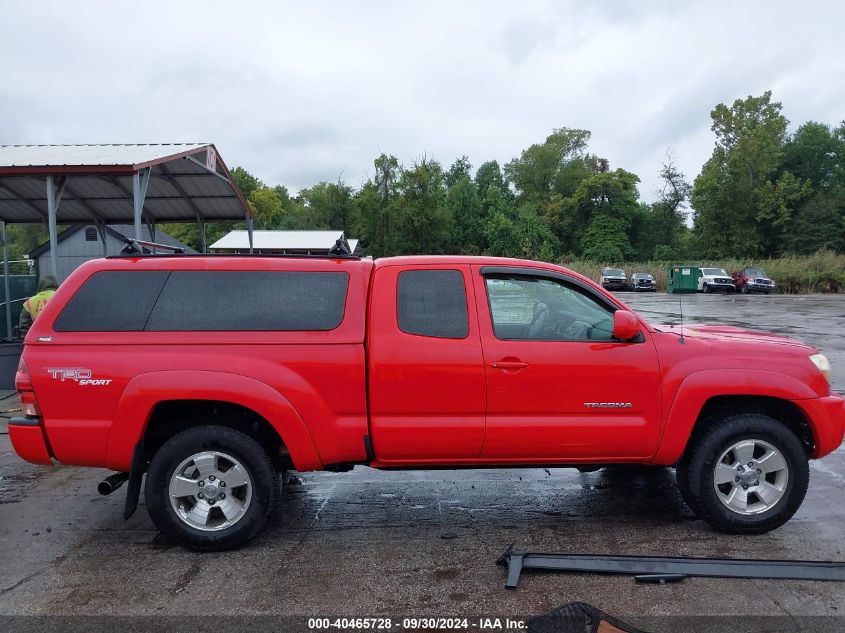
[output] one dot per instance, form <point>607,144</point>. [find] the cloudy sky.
<point>309,91</point>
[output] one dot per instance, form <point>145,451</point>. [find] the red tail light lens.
<point>22,379</point>
<point>23,383</point>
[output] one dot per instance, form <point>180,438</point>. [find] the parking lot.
<point>370,543</point>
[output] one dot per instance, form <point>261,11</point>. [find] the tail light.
<point>23,383</point>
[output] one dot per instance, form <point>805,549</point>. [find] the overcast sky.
<point>309,91</point>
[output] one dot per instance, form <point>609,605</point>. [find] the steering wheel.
<point>577,330</point>
<point>538,322</point>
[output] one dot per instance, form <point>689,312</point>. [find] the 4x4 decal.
<point>81,376</point>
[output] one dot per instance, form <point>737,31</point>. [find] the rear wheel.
<point>211,488</point>
<point>746,474</point>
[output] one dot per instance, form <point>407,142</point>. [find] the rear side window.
<point>206,301</point>
<point>215,301</point>
<point>432,303</point>
<point>112,301</point>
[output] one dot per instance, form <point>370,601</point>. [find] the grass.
<point>823,272</point>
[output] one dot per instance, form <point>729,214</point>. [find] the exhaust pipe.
<point>111,483</point>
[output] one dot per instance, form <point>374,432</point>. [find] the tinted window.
<point>432,303</point>
<point>206,301</point>
<point>112,302</point>
<point>242,301</point>
<point>542,309</point>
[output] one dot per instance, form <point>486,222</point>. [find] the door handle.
<point>508,364</point>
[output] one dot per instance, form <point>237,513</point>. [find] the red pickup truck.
<point>214,374</point>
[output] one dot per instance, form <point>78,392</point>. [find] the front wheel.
<point>706,289</point>
<point>746,474</point>
<point>211,488</point>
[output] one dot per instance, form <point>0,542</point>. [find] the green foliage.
<point>765,193</point>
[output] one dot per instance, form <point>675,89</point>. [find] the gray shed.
<point>80,243</point>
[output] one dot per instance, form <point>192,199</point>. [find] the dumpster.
<point>682,278</point>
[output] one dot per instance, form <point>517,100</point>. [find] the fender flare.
<point>697,388</point>
<point>145,391</point>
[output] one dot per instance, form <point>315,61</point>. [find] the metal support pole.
<point>54,198</point>
<point>201,227</point>
<point>140,181</point>
<point>6,283</point>
<point>249,226</point>
<point>101,229</point>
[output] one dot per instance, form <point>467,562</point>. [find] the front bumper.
<point>827,420</point>
<point>29,441</point>
<point>614,285</point>
<point>717,285</point>
<point>760,287</point>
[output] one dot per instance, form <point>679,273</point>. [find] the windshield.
<point>613,272</point>
<point>756,272</point>
<point>643,276</point>
<point>714,271</point>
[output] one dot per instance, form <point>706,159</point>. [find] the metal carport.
<point>115,184</point>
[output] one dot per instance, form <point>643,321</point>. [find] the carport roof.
<point>187,182</point>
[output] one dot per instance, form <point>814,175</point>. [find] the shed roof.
<point>281,240</point>
<point>188,181</point>
<point>119,231</point>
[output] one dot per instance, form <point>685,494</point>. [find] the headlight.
<point>823,365</point>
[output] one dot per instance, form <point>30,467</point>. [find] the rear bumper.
<point>29,441</point>
<point>827,419</point>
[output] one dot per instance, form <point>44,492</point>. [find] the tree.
<point>525,236</point>
<point>459,169</point>
<point>534,173</point>
<point>490,175</point>
<point>467,215</point>
<point>664,221</point>
<point>729,195</point>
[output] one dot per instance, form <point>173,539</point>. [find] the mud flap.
<point>578,617</point>
<point>133,485</point>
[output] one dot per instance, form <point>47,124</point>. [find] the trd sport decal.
<point>82,377</point>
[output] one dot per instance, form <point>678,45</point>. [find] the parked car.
<point>614,279</point>
<point>714,280</point>
<point>643,281</point>
<point>753,280</point>
<point>212,375</point>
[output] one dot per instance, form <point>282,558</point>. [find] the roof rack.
<point>142,247</point>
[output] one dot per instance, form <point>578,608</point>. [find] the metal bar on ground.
<point>516,561</point>
<point>6,282</point>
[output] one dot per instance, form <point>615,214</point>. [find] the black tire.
<point>682,479</point>
<point>696,470</point>
<point>706,289</point>
<point>255,460</point>
<point>745,289</point>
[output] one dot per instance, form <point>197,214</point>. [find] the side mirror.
<point>625,325</point>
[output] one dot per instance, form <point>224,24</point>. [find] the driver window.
<point>541,309</point>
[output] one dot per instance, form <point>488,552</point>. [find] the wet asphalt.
<point>413,544</point>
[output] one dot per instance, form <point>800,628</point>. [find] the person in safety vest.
<point>33,306</point>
